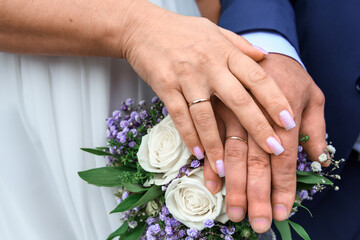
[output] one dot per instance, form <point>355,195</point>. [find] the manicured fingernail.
<point>287,120</point>
<point>220,167</point>
<point>211,186</point>
<point>260,225</point>
<point>280,212</point>
<point>198,153</point>
<point>236,214</point>
<point>261,49</point>
<point>274,146</point>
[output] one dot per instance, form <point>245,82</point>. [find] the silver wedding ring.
<point>237,138</point>
<point>199,101</point>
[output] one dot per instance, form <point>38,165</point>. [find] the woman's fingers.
<point>263,88</point>
<point>313,125</point>
<point>243,45</point>
<point>235,96</point>
<point>258,187</point>
<point>205,124</point>
<point>179,112</point>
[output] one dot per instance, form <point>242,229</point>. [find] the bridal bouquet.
<point>160,187</point>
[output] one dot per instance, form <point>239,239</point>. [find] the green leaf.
<point>135,188</point>
<point>98,152</point>
<point>105,176</point>
<point>303,186</point>
<point>299,205</point>
<point>134,234</point>
<point>284,229</point>
<point>313,179</point>
<point>121,230</point>
<point>299,229</point>
<point>102,148</point>
<point>139,199</point>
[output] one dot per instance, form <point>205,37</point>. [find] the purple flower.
<point>300,148</point>
<point>313,191</point>
<point>155,99</point>
<point>142,103</point>
<point>209,223</point>
<point>129,101</point>
<point>134,132</point>
<point>124,124</point>
<point>223,229</point>
<point>132,224</point>
<point>132,144</point>
<point>121,137</point>
<point>162,217</point>
<point>301,167</point>
<point>169,231</point>
<point>155,228</point>
<point>110,121</point>
<point>165,210</point>
<point>175,222</point>
<point>192,232</point>
<point>124,107</point>
<point>229,237</point>
<point>189,238</point>
<point>304,194</point>
<point>231,230</point>
<point>125,195</point>
<point>163,188</point>
<point>125,130</point>
<point>150,220</point>
<point>168,222</point>
<point>181,233</point>
<point>143,114</point>
<point>165,111</point>
<point>134,114</point>
<point>195,163</point>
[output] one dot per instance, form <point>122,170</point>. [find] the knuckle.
<point>237,197</point>
<point>202,118</point>
<point>234,153</point>
<point>319,97</point>
<point>214,150</point>
<point>258,162</point>
<point>261,128</point>
<point>258,76</point>
<point>182,68</point>
<point>240,98</point>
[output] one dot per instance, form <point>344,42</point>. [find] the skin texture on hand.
<point>271,180</point>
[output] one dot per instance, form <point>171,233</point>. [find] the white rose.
<point>162,151</point>
<point>189,201</point>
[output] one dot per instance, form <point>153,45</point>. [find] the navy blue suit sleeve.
<point>241,16</point>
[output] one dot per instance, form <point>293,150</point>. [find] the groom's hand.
<point>279,172</point>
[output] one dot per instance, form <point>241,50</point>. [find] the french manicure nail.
<point>281,212</point>
<point>198,153</point>
<point>260,225</point>
<point>220,167</point>
<point>236,214</point>
<point>274,146</point>
<point>261,49</point>
<point>211,186</point>
<point>287,120</point>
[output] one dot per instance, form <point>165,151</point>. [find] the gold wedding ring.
<point>199,101</point>
<point>237,138</point>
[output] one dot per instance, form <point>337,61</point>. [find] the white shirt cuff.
<point>273,43</point>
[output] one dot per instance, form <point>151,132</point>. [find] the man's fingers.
<point>313,125</point>
<point>243,45</point>
<point>283,172</point>
<point>179,112</point>
<point>258,187</point>
<point>235,168</point>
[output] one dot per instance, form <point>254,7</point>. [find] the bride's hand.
<point>189,58</point>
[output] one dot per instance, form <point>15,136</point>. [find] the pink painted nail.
<point>220,167</point>
<point>274,146</point>
<point>287,120</point>
<point>198,153</point>
<point>261,49</point>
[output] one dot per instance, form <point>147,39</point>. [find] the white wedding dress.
<point>50,107</point>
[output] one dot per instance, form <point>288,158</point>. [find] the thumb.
<point>313,125</point>
<point>256,53</point>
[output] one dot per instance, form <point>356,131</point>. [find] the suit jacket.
<point>326,34</point>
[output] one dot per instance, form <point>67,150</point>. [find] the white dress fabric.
<point>50,107</point>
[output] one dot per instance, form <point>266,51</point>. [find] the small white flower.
<point>323,157</point>
<point>316,166</point>
<point>331,149</point>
